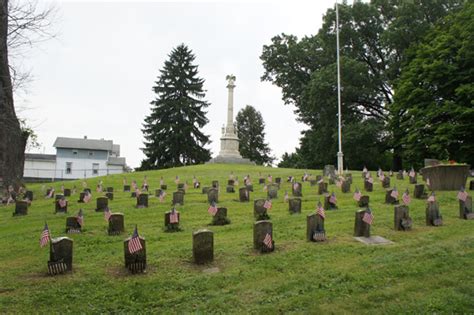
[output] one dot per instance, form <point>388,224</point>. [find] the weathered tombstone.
<point>400,175</point>
<point>220,218</point>
<point>389,199</point>
<point>368,186</point>
<point>332,180</point>
<point>67,192</point>
<point>244,195</point>
<point>109,195</point>
<point>142,201</point>
<point>116,224</point>
<point>213,196</point>
<point>402,220</point>
<point>278,180</point>
<point>328,205</point>
<point>164,187</point>
<point>261,230</point>
<point>465,208</point>
<point>72,225</point>
<point>259,211</point>
<point>102,203</point>
<point>61,205</point>
<point>135,262</point>
<point>433,216</point>
<point>361,228</point>
<point>294,205</point>
<point>315,227</point>
<point>81,197</point>
<point>215,184</point>
<point>205,190</point>
<point>296,189</point>
<point>230,189</point>
<point>272,192</point>
<point>158,192</point>
<point>419,191</point>
<point>329,170</point>
<point>178,198</point>
<point>180,186</point>
<point>60,255</point>
<point>313,182</point>
<point>29,195</point>
<point>413,179</point>
<point>58,196</point>
<point>134,194</point>
<point>203,246</point>
<point>261,181</point>
<point>322,188</point>
<point>349,178</point>
<point>345,186</point>
<point>126,188</point>
<point>172,226</point>
<point>386,182</point>
<point>21,207</point>
<point>230,182</point>
<point>364,201</point>
<point>249,187</point>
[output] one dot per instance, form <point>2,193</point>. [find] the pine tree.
<point>251,134</point>
<point>172,131</point>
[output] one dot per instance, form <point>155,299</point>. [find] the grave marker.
<point>102,203</point>
<point>244,195</point>
<point>294,205</point>
<point>178,198</point>
<point>220,218</point>
<point>116,224</point>
<point>142,201</point>
<point>433,215</point>
<point>296,190</point>
<point>67,192</point>
<point>126,188</point>
<point>61,205</point>
<point>315,226</point>
<point>60,255</point>
<point>322,188</point>
<point>21,207</point>
<point>135,262</point>
<point>259,211</point>
<point>465,208</point>
<point>172,219</point>
<point>361,226</point>
<point>419,191</point>
<point>213,196</point>
<point>363,201</point>
<point>402,220</point>
<point>263,236</point>
<point>272,192</point>
<point>203,246</point>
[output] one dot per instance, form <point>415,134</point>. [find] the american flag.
<point>268,241</point>
<point>212,209</point>
<point>368,217</point>
<point>176,180</point>
<point>380,172</point>
<point>162,196</point>
<point>134,244</point>
<point>87,197</point>
<point>285,198</point>
<point>364,170</point>
<point>382,177</point>
<point>320,210</point>
<point>357,195</point>
<point>412,173</point>
<point>371,180</point>
<point>332,199</point>
<point>462,195</point>
<point>428,182</point>
<point>51,193</point>
<point>174,216</point>
<point>134,184</point>
<point>80,218</point>
<point>45,237</point>
<point>305,177</point>
<point>137,192</point>
<point>406,197</point>
<point>394,193</point>
<point>290,179</point>
<point>99,188</point>
<point>268,204</point>
<point>296,186</point>
<point>62,203</point>
<point>270,178</point>
<point>321,181</point>
<point>107,214</point>
<point>432,198</point>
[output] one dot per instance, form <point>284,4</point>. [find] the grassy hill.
<point>426,270</point>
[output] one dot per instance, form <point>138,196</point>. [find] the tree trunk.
<point>12,139</point>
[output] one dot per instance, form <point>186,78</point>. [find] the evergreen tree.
<point>173,130</point>
<point>251,133</point>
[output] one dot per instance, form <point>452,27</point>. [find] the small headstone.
<point>386,182</point>
<point>328,205</point>
<point>109,195</point>
<point>164,187</point>
<point>329,170</point>
<point>230,189</point>
<point>368,186</point>
<point>215,184</point>
<point>72,225</point>
<point>278,180</point>
<point>29,195</point>
<point>361,228</point>
<point>259,211</point>
<point>213,196</point>
<point>126,188</point>
<point>178,198</point>
<point>60,255</point>
<point>102,203</point>
<point>400,175</point>
<point>88,190</point>
<point>81,197</point>
<point>203,246</point>
<point>61,205</point>
<point>116,224</point>
<point>261,230</point>
<point>172,226</point>
<point>244,195</point>
<point>142,201</point>
<point>402,220</point>
<point>67,192</point>
<point>364,201</point>
<point>205,190</point>
<point>294,205</point>
<point>272,192</point>
<point>135,262</point>
<point>158,192</point>
<point>322,188</point>
<point>465,208</point>
<point>389,199</point>
<point>349,178</point>
<point>296,189</point>
<point>345,186</point>
<point>315,228</point>
<point>261,181</point>
<point>419,191</point>
<point>332,180</point>
<point>21,207</point>
<point>220,218</point>
<point>433,216</point>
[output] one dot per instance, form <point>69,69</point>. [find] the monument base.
<point>222,159</point>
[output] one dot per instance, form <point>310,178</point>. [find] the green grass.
<point>426,270</point>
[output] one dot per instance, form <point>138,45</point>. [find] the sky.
<point>95,78</point>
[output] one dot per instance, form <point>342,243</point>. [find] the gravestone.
<point>361,228</point>
<point>278,180</point>
<point>58,196</point>
<point>142,201</point>
<point>433,216</point>
<point>386,182</point>
<point>260,230</point>
<point>29,195</point>
<point>67,192</point>
<point>327,204</point>
<point>329,170</point>
<point>180,186</point>
<point>215,184</point>
<point>331,180</point>
<point>400,175</point>
<point>203,246</point>
<point>322,188</point>
<point>402,220</point>
<point>102,203</point>
<point>60,255</point>
<point>110,189</point>
<point>72,225</point>
<point>172,227</point>
<point>364,201</point>
<point>135,262</point>
<point>61,207</point>
<point>465,208</point>
<point>272,192</point>
<point>158,192</point>
<point>313,182</point>
<point>21,207</point>
<point>471,185</point>
<point>220,218</point>
<point>297,190</point>
<point>261,181</point>
<point>249,187</point>
<point>431,162</point>
<point>126,188</point>
<point>345,186</point>
<point>389,199</point>
<point>134,194</point>
<point>81,197</point>
<point>314,225</point>
<point>109,195</point>
<point>163,187</point>
<point>368,186</point>
<point>413,179</point>
<point>205,190</point>
<point>294,205</point>
<point>244,195</point>
<point>116,224</point>
<point>230,189</point>
<point>349,178</point>
<point>259,211</point>
<point>230,182</point>
<point>419,191</point>
<point>213,196</point>
<point>178,198</point>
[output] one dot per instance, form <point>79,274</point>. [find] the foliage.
<point>172,131</point>
<point>251,133</point>
<point>436,93</point>
<point>290,160</point>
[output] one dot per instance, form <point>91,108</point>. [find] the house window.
<point>95,168</point>
<point>68,167</point>
<point>74,152</point>
<point>91,153</point>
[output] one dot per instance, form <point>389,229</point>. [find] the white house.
<point>76,158</point>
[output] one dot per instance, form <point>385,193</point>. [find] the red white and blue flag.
<point>212,209</point>
<point>462,195</point>
<point>368,217</point>
<point>80,218</point>
<point>107,214</point>
<point>62,203</point>
<point>412,173</point>
<point>268,241</point>
<point>87,197</point>
<point>332,199</point>
<point>134,244</point>
<point>174,216</point>
<point>432,198</point>
<point>320,210</point>
<point>357,195</point>
<point>394,193</point>
<point>268,204</point>
<point>45,236</point>
<point>406,198</point>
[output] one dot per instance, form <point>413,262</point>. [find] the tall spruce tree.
<point>250,126</point>
<point>173,130</point>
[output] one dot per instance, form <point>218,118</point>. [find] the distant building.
<point>76,158</point>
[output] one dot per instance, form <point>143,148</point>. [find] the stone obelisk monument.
<point>229,152</point>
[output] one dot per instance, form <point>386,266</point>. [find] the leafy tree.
<point>172,131</point>
<point>250,126</point>
<point>436,93</point>
<point>290,160</point>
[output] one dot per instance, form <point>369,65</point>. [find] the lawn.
<point>426,270</point>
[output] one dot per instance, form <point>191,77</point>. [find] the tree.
<point>435,94</point>
<point>250,127</point>
<point>290,160</point>
<point>172,131</point>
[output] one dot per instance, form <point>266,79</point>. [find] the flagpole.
<point>340,155</point>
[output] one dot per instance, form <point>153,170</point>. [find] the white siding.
<point>39,169</point>
<point>81,168</point>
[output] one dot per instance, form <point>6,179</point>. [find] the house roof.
<point>116,161</point>
<point>87,144</point>
<point>40,157</point>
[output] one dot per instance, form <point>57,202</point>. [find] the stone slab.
<point>373,240</point>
